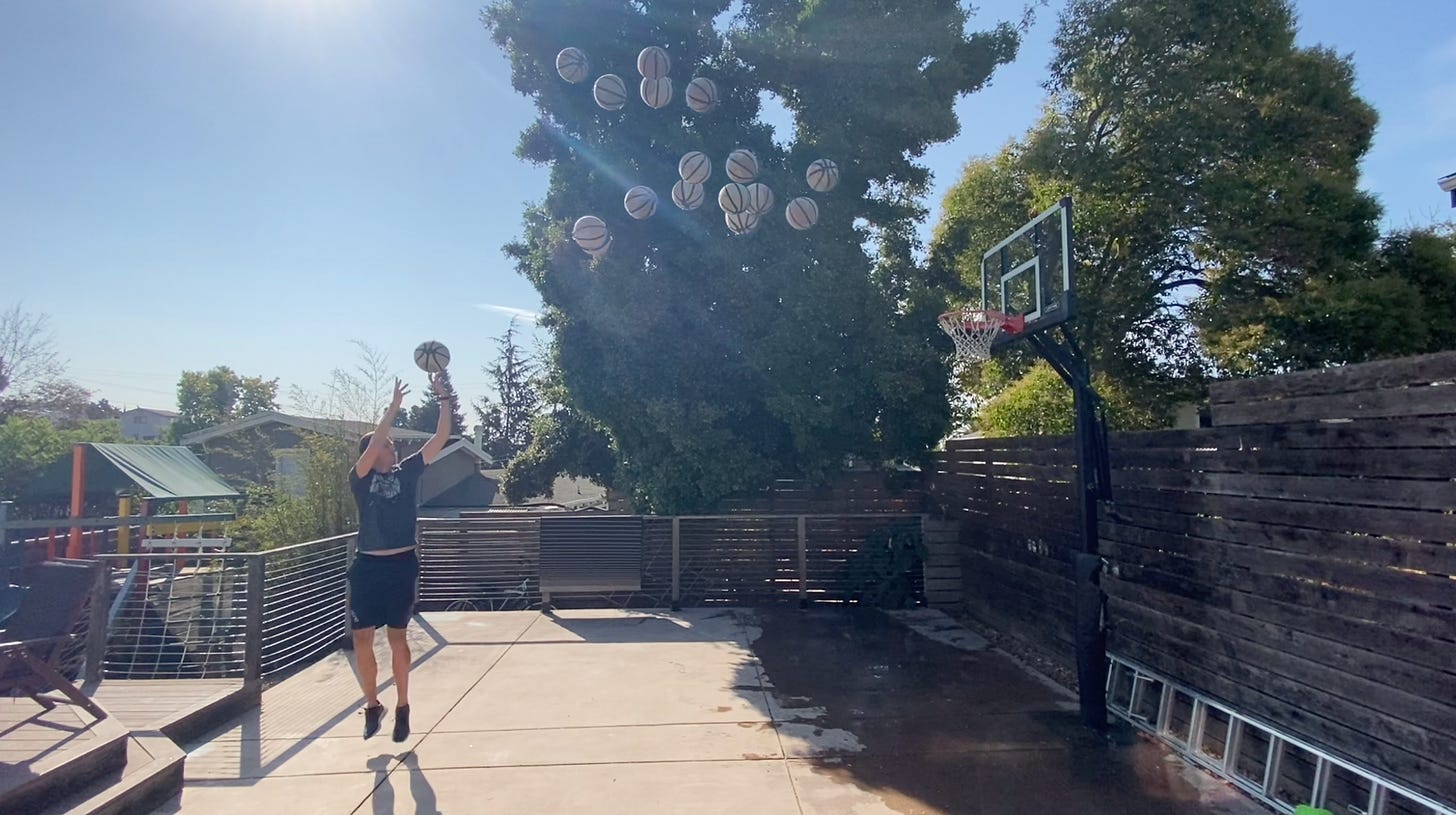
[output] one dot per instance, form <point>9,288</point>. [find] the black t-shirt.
<point>387,505</point>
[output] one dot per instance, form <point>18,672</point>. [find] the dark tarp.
<point>163,473</point>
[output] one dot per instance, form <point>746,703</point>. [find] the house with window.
<point>146,424</point>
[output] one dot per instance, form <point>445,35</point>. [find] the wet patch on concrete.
<point>931,727</point>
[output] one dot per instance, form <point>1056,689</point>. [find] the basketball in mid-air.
<point>572,65</point>
<point>640,202</point>
<point>823,175</point>
<point>610,92</point>
<point>432,356</point>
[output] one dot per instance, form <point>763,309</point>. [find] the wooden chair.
<point>37,636</point>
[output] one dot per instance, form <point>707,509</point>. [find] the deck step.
<point>151,776</point>
<point>56,776</point>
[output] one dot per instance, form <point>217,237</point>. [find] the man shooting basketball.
<point>383,576</point>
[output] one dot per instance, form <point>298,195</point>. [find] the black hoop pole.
<point>1092,486</point>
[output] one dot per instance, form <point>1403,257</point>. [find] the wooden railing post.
<point>96,624</point>
<point>676,563</point>
<point>253,629</point>
<point>803,561</point>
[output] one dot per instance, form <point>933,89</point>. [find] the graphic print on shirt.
<point>385,486</point>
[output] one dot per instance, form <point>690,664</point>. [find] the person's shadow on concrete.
<point>419,786</point>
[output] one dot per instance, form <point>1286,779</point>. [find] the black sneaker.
<point>373,717</point>
<point>401,723</point>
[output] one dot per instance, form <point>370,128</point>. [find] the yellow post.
<point>123,532</point>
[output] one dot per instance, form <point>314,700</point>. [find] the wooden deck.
<point>43,753</point>
<point>61,743</point>
<point>155,704</point>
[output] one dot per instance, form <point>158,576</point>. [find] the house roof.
<point>162,472</point>
<point>310,424</point>
<point>467,447</point>
<point>170,414</point>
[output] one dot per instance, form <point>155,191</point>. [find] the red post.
<point>50,544</point>
<point>78,497</point>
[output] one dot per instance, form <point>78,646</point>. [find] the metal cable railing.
<point>176,616</point>
<point>304,602</point>
<point>224,615</point>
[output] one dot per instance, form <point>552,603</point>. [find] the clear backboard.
<point>1029,274</point>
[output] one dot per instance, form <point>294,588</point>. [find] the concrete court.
<point>824,712</point>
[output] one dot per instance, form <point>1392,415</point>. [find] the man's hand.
<point>399,393</point>
<point>437,384</point>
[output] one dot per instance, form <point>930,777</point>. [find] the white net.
<point>973,330</point>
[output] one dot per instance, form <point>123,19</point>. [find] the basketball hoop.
<point>974,330</point>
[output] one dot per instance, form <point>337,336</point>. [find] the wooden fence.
<point>1294,561</point>
<point>492,561</point>
<point>853,492</point>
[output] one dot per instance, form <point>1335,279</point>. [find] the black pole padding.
<point>1091,642</point>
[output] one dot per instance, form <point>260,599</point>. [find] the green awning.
<point>163,473</point>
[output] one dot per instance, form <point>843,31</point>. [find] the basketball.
<point>695,167</point>
<point>687,195</point>
<point>740,223</point>
<point>742,166</point>
<point>432,356</point>
<point>602,250</point>
<point>610,92</point>
<point>823,175</point>
<point>802,213</point>
<point>657,93</point>
<point>733,198</point>
<point>641,202</point>
<point>653,63</point>
<point>572,65</point>
<point>760,199</point>
<point>702,94</point>
<point>590,233</point>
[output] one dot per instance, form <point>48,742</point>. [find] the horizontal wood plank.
<point>1424,400</point>
<point>1378,375</point>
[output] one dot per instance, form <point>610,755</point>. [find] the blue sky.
<point>256,182</point>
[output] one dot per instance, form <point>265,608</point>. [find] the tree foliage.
<point>1040,403</point>
<point>714,363</point>
<point>425,416</point>
<point>29,444</point>
<point>274,518</point>
<point>207,398</point>
<point>1400,300</point>
<point>1214,167</point>
<point>508,421</point>
<point>62,401</point>
<point>563,442</point>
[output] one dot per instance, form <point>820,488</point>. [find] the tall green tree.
<point>507,420</point>
<point>1213,164</point>
<point>426,415</point>
<point>716,363</point>
<point>207,398</point>
<point>1399,301</point>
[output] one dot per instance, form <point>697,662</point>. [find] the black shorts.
<point>382,590</point>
